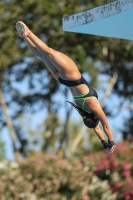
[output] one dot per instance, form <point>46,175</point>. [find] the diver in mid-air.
<point>66,72</point>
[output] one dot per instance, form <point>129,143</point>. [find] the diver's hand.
<point>108,146</point>
<point>111,146</point>
<point>110,150</point>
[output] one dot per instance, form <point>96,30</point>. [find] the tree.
<point>2,148</point>
<point>93,54</point>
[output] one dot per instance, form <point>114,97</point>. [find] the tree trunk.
<point>8,120</point>
<point>109,88</point>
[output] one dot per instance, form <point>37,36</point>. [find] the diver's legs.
<point>46,61</point>
<point>67,68</point>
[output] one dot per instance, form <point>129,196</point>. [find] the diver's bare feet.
<point>22,29</point>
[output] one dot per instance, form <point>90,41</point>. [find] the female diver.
<point>66,72</point>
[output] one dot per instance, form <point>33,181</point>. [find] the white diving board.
<point>114,20</point>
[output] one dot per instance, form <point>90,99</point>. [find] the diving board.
<point>114,20</point>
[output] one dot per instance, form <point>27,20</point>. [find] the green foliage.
<point>45,177</point>
<point>2,150</point>
<point>117,169</point>
<point>128,126</point>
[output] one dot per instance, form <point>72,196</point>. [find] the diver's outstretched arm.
<point>103,141</point>
<point>99,133</point>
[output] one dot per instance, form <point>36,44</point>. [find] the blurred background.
<point>46,153</point>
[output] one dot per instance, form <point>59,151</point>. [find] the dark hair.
<point>89,119</point>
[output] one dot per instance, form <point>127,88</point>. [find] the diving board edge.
<point>96,13</point>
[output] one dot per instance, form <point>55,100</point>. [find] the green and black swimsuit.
<point>92,92</point>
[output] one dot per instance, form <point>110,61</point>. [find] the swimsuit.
<point>92,92</point>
